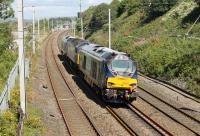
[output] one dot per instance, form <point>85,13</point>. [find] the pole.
<point>52,25</point>
<point>81,21</point>
<point>109,29</point>
<point>21,55</point>
<point>74,28</point>
<point>33,29</point>
<point>48,24</point>
<point>38,26</point>
<point>44,26</point>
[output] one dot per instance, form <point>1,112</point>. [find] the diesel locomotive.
<point>112,74</point>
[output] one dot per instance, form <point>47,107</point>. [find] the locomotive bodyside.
<point>110,71</point>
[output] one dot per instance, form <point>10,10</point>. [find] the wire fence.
<point>10,84</point>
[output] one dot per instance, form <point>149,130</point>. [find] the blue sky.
<point>56,8</point>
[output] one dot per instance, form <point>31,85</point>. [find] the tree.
<point>198,2</point>
<point>159,7</point>
<point>5,9</point>
<point>5,32</point>
<point>122,7</point>
<point>6,39</point>
<point>99,17</point>
<point>131,6</point>
<point>114,7</point>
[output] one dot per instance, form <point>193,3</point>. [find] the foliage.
<point>33,123</point>
<point>131,6</point>
<point>8,119</point>
<point>7,61</point>
<point>159,7</point>
<point>5,9</point>
<point>198,1</point>
<point>8,123</point>
<point>6,38</point>
<point>114,8</point>
<point>99,17</point>
<point>87,16</point>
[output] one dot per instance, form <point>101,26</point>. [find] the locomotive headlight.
<point>110,84</point>
<point>134,86</point>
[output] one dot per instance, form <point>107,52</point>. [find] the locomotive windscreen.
<point>122,67</point>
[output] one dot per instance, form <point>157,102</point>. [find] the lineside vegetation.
<point>156,34</point>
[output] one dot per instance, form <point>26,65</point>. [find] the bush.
<point>9,119</point>
<point>8,123</point>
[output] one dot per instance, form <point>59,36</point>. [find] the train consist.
<point>111,73</point>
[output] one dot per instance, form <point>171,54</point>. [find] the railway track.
<point>150,121</point>
<point>171,111</point>
<point>173,88</point>
<point>75,117</point>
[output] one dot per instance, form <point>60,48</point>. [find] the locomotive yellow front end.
<point>122,80</point>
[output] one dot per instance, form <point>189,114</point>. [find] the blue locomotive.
<point>111,73</point>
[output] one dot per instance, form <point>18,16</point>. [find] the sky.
<point>55,8</point>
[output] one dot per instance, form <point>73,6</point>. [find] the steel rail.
<point>171,106</point>
<point>121,121</point>
<point>173,88</point>
<point>148,120</point>
<point>89,118</point>
<point>53,88</point>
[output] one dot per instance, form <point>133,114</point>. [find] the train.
<point>110,73</point>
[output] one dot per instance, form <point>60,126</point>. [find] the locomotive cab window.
<point>123,66</point>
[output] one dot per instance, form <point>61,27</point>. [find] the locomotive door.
<point>94,70</point>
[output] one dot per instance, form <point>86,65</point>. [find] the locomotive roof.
<point>76,41</point>
<point>101,51</point>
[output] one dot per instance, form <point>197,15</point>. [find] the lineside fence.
<point>10,84</point>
